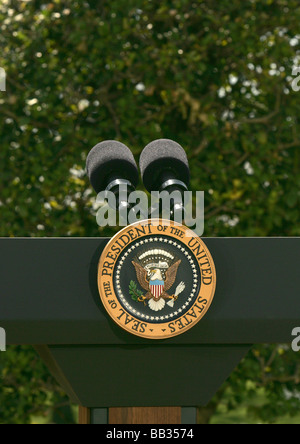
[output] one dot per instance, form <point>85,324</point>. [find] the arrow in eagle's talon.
<point>180,289</point>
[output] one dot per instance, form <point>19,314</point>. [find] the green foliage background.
<point>213,75</point>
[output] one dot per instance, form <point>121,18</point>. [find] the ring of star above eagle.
<point>156,279</point>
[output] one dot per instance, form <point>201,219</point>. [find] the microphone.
<point>164,166</point>
<point>111,167</point>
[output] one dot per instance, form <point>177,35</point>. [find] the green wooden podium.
<point>49,299</point>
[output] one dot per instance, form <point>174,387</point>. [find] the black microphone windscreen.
<point>111,159</point>
<point>163,156</point>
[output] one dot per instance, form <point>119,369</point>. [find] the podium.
<point>50,299</point>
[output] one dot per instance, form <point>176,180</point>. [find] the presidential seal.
<point>156,279</point>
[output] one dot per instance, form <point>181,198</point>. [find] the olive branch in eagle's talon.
<point>136,295</point>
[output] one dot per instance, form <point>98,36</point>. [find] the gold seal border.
<point>156,228</point>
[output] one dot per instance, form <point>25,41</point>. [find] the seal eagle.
<point>151,279</point>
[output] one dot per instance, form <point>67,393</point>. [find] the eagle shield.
<point>157,288</point>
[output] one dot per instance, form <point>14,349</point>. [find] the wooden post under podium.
<point>84,415</point>
<point>138,415</point>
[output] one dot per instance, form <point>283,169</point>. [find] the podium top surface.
<point>49,293</point>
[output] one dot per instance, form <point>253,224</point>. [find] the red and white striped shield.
<point>157,288</point>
